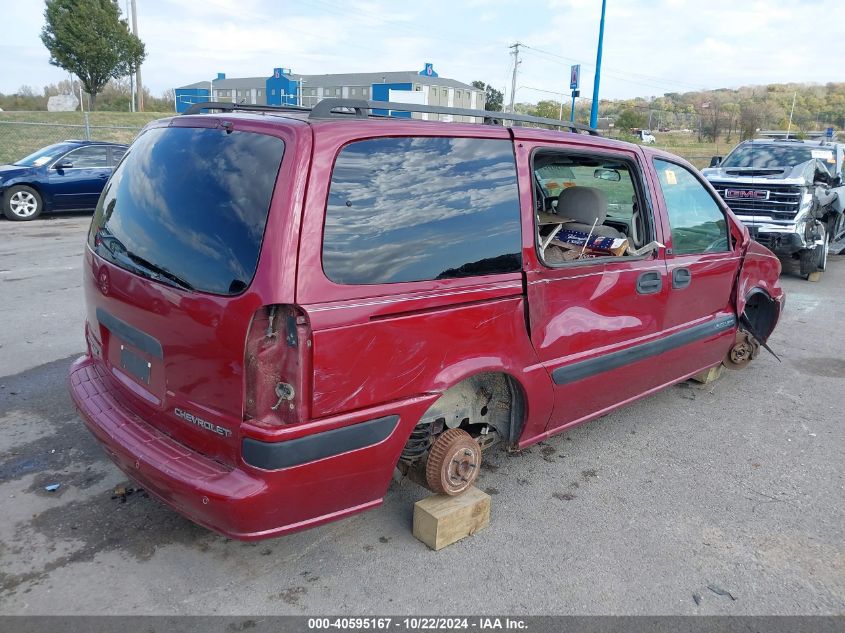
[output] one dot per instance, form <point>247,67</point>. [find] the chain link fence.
<point>21,138</point>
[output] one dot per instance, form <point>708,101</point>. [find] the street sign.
<point>575,77</point>
<point>828,133</point>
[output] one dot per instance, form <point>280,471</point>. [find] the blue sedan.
<point>62,177</point>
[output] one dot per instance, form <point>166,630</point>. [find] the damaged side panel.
<point>759,295</point>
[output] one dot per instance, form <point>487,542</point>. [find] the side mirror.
<point>715,161</point>
<point>63,164</point>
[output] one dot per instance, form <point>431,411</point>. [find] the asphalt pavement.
<point>663,507</point>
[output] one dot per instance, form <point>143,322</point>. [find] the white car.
<point>645,136</point>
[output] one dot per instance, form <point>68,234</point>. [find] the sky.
<point>651,47</point>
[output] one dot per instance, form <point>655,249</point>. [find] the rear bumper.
<point>243,502</point>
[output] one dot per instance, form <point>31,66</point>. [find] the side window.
<point>698,223</point>
<point>116,154</point>
<point>89,157</point>
<point>589,206</point>
<point>413,209</point>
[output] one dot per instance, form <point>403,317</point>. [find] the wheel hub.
<point>743,351</point>
<point>453,462</point>
<point>23,204</point>
<point>462,466</point>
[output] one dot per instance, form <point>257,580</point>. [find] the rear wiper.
<point>158,273</point>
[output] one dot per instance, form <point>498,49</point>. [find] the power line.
<point>643,75</point>
<point>616,73</point>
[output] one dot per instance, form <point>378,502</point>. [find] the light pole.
<point>594,112</point>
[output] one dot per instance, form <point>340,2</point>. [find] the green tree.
<point>548,109</point>
<point>88,38</point>
<point>630,118</point>
<point>494,98</point>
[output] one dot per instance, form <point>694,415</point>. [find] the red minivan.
<point>285,305</point>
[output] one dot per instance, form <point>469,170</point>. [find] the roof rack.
<point>362,109</point>
<point>228,106</point>
<point>783,135</point>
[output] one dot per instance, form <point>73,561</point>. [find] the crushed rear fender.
<point>758,288</point>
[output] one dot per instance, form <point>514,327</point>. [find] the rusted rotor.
<point>744,349</point>
<point>453,462</point>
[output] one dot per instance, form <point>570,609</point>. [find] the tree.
<point>629,119</point>
<point>493,98</point>
<point>88,38</point>
<point>732,113</point>
<point>548,109</point>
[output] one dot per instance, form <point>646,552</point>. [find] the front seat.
<point>584,206</point>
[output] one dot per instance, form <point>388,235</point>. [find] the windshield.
<point>768,155</point>
<point>44,155</point>
<point>188,206</point>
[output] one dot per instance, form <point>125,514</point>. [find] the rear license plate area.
<point>134,364</point>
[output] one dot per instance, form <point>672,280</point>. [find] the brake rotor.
<point>453,462</point>
<point>744,349</point>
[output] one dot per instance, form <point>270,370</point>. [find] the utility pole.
<point>516,64</point>
<point>594,112</point>
<point>131,74</point>
<point>138,85</point>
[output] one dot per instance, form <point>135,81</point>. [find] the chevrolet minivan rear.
<point>193,335</point>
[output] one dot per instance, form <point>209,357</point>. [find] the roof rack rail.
<point>360,108</point>
<point>783,135</point>
<point>228,106</point>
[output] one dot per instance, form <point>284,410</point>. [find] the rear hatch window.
<point>188,207</point>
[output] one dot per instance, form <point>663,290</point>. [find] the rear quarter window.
<point>413,209</point>
<point>190,205</point>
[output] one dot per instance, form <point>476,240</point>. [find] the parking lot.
<point>664,507</point>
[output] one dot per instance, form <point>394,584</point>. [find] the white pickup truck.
<point>646,137</point>
<point>789,193</point>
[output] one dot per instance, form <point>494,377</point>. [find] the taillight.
<point>277,366</point>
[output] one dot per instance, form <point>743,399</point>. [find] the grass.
<point>96,118</point>
<point>17,141</point>
<point>686,145</point>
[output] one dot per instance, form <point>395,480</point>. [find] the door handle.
<point>681,277</point>
<point>649,283</point>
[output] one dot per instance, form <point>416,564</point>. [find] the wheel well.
<point>484,402</point>
<point>761,312</point>
<point>24,184</point>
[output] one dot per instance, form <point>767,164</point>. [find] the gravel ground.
<point>736,486</point>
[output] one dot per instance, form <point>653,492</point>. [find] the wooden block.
<point>708,375</point>
<point>440,520</point>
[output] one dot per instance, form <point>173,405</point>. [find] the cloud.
<point>403,209</point>
<point>650,48</point>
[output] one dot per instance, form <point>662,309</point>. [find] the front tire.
<point>814,261</point>
<point>22,203</point>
